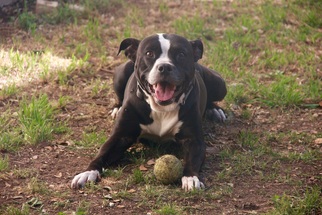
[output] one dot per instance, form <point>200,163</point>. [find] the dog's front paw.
<point>216,114</point>
<point>80,180</point>
<point>191,182</point>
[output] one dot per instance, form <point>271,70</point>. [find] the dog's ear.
<point>130,45</point>
<point>197,48</point>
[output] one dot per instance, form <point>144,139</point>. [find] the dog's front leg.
<point>194,155</point>
<point>109,153</point>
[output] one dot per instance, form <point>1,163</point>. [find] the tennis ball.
<point>168,169</point>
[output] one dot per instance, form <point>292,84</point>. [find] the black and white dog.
<point>162,92</point>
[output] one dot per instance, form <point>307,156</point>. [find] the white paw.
<point>191,183</point>
<point>115,112</point>
<point>81,179</point>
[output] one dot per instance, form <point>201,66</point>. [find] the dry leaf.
<point>59,175</point>
<point>318,141</point>
<point>131,191</point>
<point>143,168</point>
<point>151,162</point>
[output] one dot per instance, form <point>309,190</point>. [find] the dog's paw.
<point>216,114</point>
<point>191,182</point>
<point>115,112</point>
<point>80,180</point>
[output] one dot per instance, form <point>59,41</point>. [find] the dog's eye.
<point>181,55</point>
<point>150,54</point>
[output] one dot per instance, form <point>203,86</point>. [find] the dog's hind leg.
<point>216,91</point>
<point>122,74</point>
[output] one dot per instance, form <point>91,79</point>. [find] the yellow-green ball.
<point>168,169</point>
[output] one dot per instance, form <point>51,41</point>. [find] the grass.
<point>90,139</point>
<point>168,209</point>
<point>267,51</point>
<point>12,210</point>
<point>4,163</point>
<point>36,186</point>
<point>307,203</point>
<point>9,91</point>
<point>37,119</point>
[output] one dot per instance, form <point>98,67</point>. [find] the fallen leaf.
<point>151,162</point>
<point>120,206</point>
<point>318,141</point>
<point>59,175</point>
<point>131,191</point>
<point>143,168</point>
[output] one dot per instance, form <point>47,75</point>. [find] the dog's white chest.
<point>164,124</point>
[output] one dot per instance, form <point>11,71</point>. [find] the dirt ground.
<point>54,163</point>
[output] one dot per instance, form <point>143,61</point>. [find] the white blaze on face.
<point>164,58</point>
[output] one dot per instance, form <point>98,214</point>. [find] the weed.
<point>168,209</point>
<point>24,173</point>
<point>115,173</point>
<point>284,91</point>
<point>273,15</point>
<point>27,21</point>
<point>309,203</point>
<point>62,101</point>
<point>9,91</point>
<point>36,186</point>
<point>36,119</point>
<point>82,208</point>
<point>62,14</point>
<point>163,7</point>
<point>11,210</point>
<point>4,163</point>
<point>248,140</point>
<point>307,156</point>
<point>191,27</point>
<point>92,139</point>
<point>97,86</point>
<point>237,94</point>
<point>313,19</point>
<point>10,138</point>
<point>101,6</point>
<point>137,176</point>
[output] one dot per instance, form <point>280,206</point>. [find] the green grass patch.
<point>92,139</point>
<point>191,27</point>
<point>283,91</point>
<point>9,90</point>
<point>13,210</point>
<point>169,209</point>
<point>36,186</point>
<point>309,202</point>
<point>4,163</point>
<point>36,117</point>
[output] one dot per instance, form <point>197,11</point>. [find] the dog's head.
<point>164,67</point>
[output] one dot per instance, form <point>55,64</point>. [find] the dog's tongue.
<point>164,91</point>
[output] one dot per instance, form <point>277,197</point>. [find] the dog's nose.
<point>165,68</point>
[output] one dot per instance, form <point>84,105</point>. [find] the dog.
<point>162,92</point>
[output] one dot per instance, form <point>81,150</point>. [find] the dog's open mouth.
<point>163,91</point>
